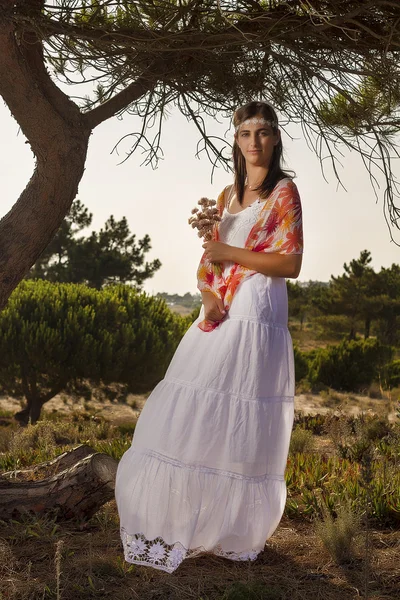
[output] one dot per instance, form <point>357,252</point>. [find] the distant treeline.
<point>359,300</point>
<point>187,300</point>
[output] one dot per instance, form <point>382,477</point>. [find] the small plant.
<point>330,398</point>
<point>303,387</point>
<point>301,441</point>
<point>134,404</point>
<point>338,535</point>
<point>366,477</point>
<point>127,428</point>
<point>339,428</point>
<point>115,448</point>
<point>87,406</point>
<point>57,563</point>
<point>106,518</point>
<point>31,526</point>
<point>5,439</point>
<point>40,437</point>
<point>314,423</point>
<point>377,428</point>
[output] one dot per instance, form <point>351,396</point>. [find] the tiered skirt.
<point>205,472</point>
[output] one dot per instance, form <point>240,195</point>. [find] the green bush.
<point>300,364</point>
<point>301,440</point>
<point>350,365</point>
<point>338,535</point>
<point>334,327</point>
<point>56,337</point>
<point>314,423</point>
<point>391,375</point>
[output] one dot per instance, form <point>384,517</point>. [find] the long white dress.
<point>205,471</point>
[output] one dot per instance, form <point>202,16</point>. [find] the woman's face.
<point>256,142</point>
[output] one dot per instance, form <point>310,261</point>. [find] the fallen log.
<point>74,493</point>
<point>51,467</point>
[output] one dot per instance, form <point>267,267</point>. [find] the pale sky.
<point>338,225</point>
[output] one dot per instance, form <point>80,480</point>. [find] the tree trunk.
<point>367,327</point>
<point>352,334</point>
<point>34,405</point>
<point>74,493</point>
<point>34,400</point>
<point>31,413</point>
<point>58,135</point>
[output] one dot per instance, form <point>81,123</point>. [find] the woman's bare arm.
<point>272,264</point>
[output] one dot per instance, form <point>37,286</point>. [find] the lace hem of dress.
<point>158,554</point>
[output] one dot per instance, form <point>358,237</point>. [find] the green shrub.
<point>301,441</point>
<point>300,364</point>
<point>127,428</point>
<point>56,337</point>
<point>338,534</point>
<point>391,375</point>
<point>377,428</point>
<point>350,365</point>
<point>314,423</point>
<point>332,327</point>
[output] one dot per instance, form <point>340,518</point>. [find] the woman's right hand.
<point>213,307</point>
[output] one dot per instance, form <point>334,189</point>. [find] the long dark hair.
<point>275,171</point>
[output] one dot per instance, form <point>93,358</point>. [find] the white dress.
<point>205,471</point>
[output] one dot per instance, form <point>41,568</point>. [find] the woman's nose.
<point>254,140</point>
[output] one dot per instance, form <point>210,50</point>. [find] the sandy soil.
<point>129,411</point>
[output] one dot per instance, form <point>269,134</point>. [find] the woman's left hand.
<point>217,251</point>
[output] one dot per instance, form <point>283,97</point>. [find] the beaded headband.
<point>256,121</point>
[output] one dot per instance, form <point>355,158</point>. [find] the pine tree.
<point>110,256</point>
<point>67,337</point>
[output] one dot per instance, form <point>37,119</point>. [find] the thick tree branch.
<point>332,65</point>
<point>281,23</point>
<point>119,102</point>
<point>24,83</point>
<point>55,129</point>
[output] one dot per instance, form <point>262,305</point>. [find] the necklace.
<point>251,187</point>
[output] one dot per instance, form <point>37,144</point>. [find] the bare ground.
<point>294,564</point>
<point>352,404</point>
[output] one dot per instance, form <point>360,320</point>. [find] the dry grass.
<point>339,535</point>
<point>301,441</point>
<point>352,404</point>
<point>87,563</point>
<point>42,559</point>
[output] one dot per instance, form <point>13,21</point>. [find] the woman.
<point>205,472</point>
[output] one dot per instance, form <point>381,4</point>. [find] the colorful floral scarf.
<point>278,229</point>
